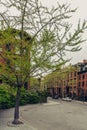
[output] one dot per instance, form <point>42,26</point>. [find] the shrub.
<point>4,101</point>
<point>6,97</point>
<point>42,96</point>
<point>28,97</point>
<point>33,98</point>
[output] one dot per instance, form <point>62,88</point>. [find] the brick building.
<point>73,83</point>
<point>11,49</point>
<point>82,78</point>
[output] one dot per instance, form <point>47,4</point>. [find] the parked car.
<point>67,99</point>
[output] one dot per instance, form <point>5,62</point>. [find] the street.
<point>54,115</point>
<point>59,116</point>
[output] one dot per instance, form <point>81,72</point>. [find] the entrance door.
<point>67,91</point>
<point>60,92</point>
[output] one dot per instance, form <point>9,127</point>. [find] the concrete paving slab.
<point>51,103</point>
<point>54,115</point>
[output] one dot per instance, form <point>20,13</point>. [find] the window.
<point>8,47</point>
<point>83,76</point>
<point>83,84</point>
<point>85,67</point>
<point>79,76</point>
<point>86,83</point>
<point>74,73</point>
<point>74,88</point>
<point>79,84</point>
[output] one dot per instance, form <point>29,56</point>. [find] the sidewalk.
<point>82,102</point>
<point>6,117</point>
<point>67,112</point>
<point>21,127</point>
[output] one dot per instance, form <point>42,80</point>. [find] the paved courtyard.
<point>55,115</point>
<point>59,115</point>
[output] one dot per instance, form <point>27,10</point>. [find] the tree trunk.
<point>16,111</point>
<point>28,88</point>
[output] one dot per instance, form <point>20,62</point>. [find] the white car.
<point>67,99</point>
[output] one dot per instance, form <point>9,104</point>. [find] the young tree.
<point>39,38</point>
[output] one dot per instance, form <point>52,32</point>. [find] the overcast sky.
<point>81,13</point>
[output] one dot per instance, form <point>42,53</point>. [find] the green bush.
<point>6,97</point>
<point>27,97</point>
<point>4,101</point>
<point>33,98</point>
<point>23,97</point>
<point>42,96</point>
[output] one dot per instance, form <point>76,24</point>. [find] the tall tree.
<point>39,38</point>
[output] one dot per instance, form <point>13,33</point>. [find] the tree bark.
<point>16,110</point>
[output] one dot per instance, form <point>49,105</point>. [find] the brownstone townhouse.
<point>70,81</point>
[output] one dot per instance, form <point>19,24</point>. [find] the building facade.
<point>82,79</point>
<point>71,82</point>
<point>13,47</point>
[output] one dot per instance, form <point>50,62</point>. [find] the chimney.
<point>84,61</point>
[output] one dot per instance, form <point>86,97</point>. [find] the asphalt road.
<point>58,115</point>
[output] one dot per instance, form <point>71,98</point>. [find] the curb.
<point>82,102</point>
